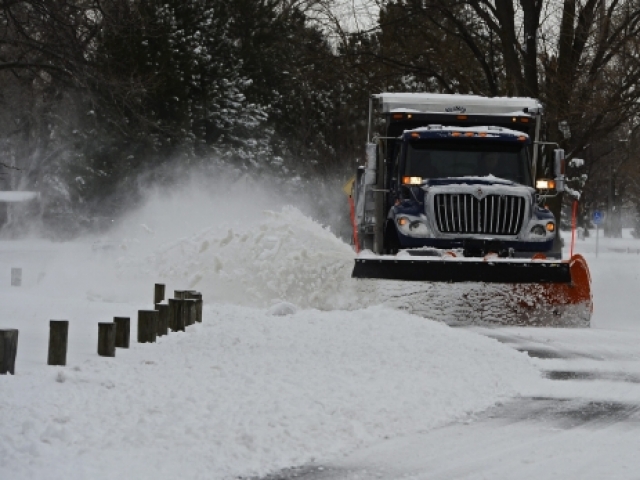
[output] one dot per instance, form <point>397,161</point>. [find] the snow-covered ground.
<point>581,423</point>
<point>293,364</point>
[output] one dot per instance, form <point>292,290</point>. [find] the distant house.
<point>17,197</point>
<point>13,198</point>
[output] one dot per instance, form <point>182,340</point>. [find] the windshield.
<point>435,159</point>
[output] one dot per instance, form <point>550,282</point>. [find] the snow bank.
<point>247,392</point>
<point>283,256</point>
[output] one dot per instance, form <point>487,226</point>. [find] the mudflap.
<point>526,293</point>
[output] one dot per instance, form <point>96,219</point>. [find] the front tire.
<point>391,241</point>
<point>366,241</point>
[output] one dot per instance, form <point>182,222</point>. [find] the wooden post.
<point>8,350</point>
<point>197,296</point>
<point>163,319</point>
<point>16,277</point>
<point>189,311</point>
<point>172,314</point>
<point>158,293</point>
<point>123,331</point>
<point>147,326</point>
<point>176,317</point>
<point>181,316</point>
<point>180,294</point>
<point>107,339</point>
<point>58,342</point>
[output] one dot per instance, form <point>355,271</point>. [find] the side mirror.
<point>559,169</point>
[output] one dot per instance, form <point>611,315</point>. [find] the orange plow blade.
<point>556,304</point>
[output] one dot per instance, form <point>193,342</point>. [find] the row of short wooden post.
<point>175,315</point>
<point>179,312</point>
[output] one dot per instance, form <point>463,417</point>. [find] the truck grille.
<point>493,214</point>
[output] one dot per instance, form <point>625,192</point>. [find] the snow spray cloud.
<point>236,239</point>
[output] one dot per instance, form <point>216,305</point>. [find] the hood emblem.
<point>479,193</point>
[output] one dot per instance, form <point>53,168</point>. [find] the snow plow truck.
<point>450,194</point>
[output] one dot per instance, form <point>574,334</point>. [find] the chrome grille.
<point>492,215</point>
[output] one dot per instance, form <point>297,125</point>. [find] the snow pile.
<point>248,392</point>
<point>284,256</point>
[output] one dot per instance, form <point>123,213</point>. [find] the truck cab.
<point>456,173</point>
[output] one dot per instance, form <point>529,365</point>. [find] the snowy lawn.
<point>261,384</point>
<point>247,392</point>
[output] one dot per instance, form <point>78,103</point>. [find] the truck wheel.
<point>366,241</point>
<point>391,242</point>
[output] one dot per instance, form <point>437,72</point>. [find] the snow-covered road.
<point>295,366</point>
<point>582,423</point>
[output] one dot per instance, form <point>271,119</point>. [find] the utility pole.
<point>613,219</point>
<point>608,223</point>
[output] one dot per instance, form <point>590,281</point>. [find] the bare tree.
<point>581,58</point>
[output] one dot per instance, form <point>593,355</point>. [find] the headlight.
<point>413,226</point>
<point>412,180</point>
<point>545,184</point>
<point>538,231</point>
<point>551,227</point>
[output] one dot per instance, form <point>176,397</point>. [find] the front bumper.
<point>485,244</point>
